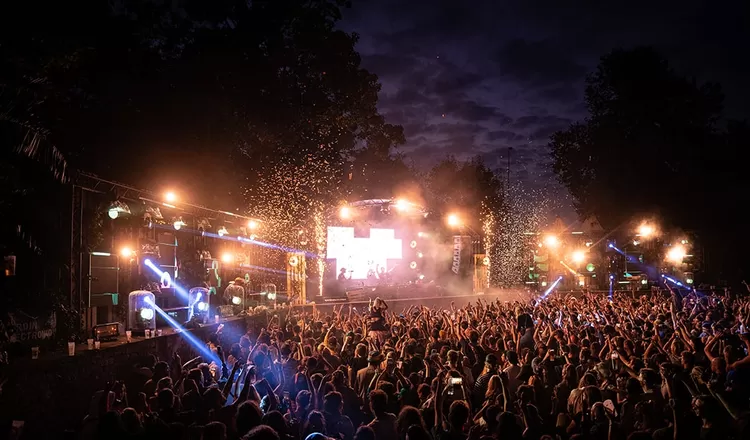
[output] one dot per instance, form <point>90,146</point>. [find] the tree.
<point>468,188</point>
<point>651,145</point>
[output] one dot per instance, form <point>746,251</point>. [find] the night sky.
<point>477,77</point>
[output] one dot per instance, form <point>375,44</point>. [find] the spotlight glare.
<point>222,231</point>
<point>676,254</point>
<point>420,255</point>
<point>252,225</point>
<point>453,220</point>
<point>421,276</point>
<point>579,256</point>
<point>345,213</point>
<point>126,252</point>
<point>413,265</point>
<point>227,257</point>
<point>170,197</point>
<point>113,213</point>
<point>236,300</point>
<point>402,205</point>
<point>413,244</point>
<point>646,230</point>
<point>147,314</point>
<point>551,241</point>
<point>202,307</point>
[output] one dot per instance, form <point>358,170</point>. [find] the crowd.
<point>660,366</point>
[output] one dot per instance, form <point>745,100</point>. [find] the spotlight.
<point>551,241</point>
<point>222,231</point>
<point>402,205</point>
<point>117,209</point>
<point>345,213</point>
<point>236,300</point>
<point>170,197</point>
<point>413,244</point>
<point>590,267</point>
<point>421,276</point>
<point>421,234</point>
<point>646,230</point>
<point>486,261</point>
<point>676,254</point>
<point>227,257</point>
<point>420,255</point>
<point>413,265</point>
<point>178,223</point>
<point>252,225</point>
<point>579,256</point>
<point>147,314</point>
<point>544,284</point>
<point>126,252</point>
<point>453,220</point>
<point>644,281</point>
<point>202,307</point>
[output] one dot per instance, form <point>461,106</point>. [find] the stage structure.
<point>387,243</point>
<point>158,243</point>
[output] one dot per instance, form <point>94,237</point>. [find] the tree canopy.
<point>654,143</point>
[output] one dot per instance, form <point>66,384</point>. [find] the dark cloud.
<point>503,135</point>
<point>476,77</point>
<point>538,63</point>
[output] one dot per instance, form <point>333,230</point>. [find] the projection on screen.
<point>362,257</point>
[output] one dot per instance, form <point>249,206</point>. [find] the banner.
<point>20,327</point>
<point>457,246</point>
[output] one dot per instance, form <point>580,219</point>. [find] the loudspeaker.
<point>103,274</point>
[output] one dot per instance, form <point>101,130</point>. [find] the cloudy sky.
<point>480,76</point>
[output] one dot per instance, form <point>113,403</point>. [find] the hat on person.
<point>375,356</point>
<point>316,436</point>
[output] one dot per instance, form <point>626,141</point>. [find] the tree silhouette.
<point>651,145</point>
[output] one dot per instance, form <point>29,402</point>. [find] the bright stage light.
<point>178,223</point>
<point>453,220</point>
<point>345,213</point>
<point>413,244</point>
<point>644,281</point>
<point>544,284</point>
<point>170,197</point>
<point>420,255</point>
<point>252,225</point>
<point>676,254</point>
<point>236,300</point>
<point>413,265</point>
<point>579,256</point>
<point>147,314</point>
<point>113,213</point>
<point>202,307</point>
<point>222,231</point>
<point>646,230</point>
<point>226,257</point>
<point>421,234</point>
<point>551,241</point>
<point>401,205</point>
<point>421,276</point>
<point>126,252</point>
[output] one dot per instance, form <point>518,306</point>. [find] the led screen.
<point>362,256</point>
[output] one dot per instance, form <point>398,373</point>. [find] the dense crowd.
<point>664,365</point>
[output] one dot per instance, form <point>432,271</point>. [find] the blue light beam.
<point>179,289</point>
<point>550,288</point>
<point>195,342</point>
<point>616,249</point>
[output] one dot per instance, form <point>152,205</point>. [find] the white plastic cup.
<point>128,335</point>
<point>147,333</point>
<point>71,348</point>
<point>34,352</point>
<point>159,332</point>
<point>90,343</point>
<point>97,345</point>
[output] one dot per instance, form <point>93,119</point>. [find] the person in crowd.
<point>580,366</point>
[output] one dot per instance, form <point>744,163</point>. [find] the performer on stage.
<point>376,321</point>
<point>236,288</point>
<point>342,275</point>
